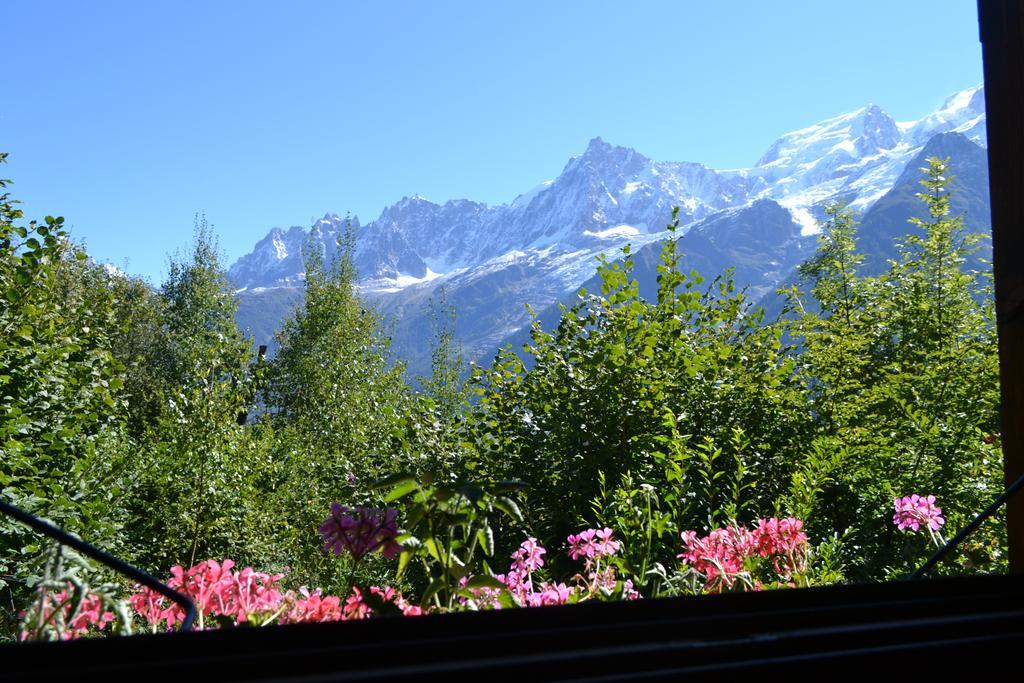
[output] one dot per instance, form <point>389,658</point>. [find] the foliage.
<point>902,371</point>
<point>437,424</point>
<point>336,411</point>
<point>693,379</point>
<point>449,530</point>
<point>185,491</point>
<point>59,399</point>
<point>66,606</point>
<point>699,447</point>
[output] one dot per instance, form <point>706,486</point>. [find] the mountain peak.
<point>597,148</point>
<point>601,154</point>
<point>611,190</point>
<point>971,98</point>
<point>858,133</point>
<point>415,200</point>
<point>962,112</point>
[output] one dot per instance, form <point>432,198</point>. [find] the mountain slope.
<point>882,227</point>
<point>542,246</point>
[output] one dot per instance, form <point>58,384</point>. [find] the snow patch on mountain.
<point>803,217</point>
<point>398,283</point>
<point>615,232</point>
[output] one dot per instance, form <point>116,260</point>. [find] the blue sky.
<point>128,118</point>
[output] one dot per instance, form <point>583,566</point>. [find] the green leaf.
<point>434,549</point>
<point>507,600</point>
<point>403,563</point>
<point>457,568</point>
<point>509,507</point>
<point>485,537</point>
<point>392,480</point>
<point>380,606</point>
<point>401,491</point>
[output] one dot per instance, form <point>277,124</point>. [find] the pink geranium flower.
<point>592,544</point>
<point>90,614</point>
<point>360,531</point>
<point>727,554</point>
<point>529,555</point>
<point>914,511</point>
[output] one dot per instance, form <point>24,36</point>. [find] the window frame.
<point>1001,31</point>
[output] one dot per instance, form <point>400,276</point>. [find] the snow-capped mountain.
<point>604,198</point>
<point>277,260</point>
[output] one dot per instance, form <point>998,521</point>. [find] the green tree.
<point>903,371</point>
<point>191,479</point>
<point>689,393</point>
<point>437,426</point>
<point>337,405</point>
<point>59,408</point>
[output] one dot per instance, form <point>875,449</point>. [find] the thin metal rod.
<point>969,529</point>
<point>106,558</point>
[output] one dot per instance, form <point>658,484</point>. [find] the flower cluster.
<point>785,542</point>
<point>356,608</point>
<point>310,607</point>
<point>484,597</point>
<point>527,559</point>
<point>731,553</point>
<point>594,547</point>
<point>914,512</point>
<point>591,545</point>
<point>58,609</point>
<point>255,597</point>
<point>217,591</point>
<point>361,530</point>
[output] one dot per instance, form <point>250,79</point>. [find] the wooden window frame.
<point>1001,28</point>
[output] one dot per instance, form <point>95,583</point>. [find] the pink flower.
<point>720,556</point>
<point>215,590</point>
<point>312,607</point>
<point>90,614</point>
<point>604,545</point>
<point>592,544</point>
<point>206,584</point>
<point>484,597</point>
<point>779,536</point>
<point>549,594</point>
<point>356,608</point>
<point>578,547</point>
<point>784,541</point>
<point>518,580</point>
<point>914,511</point>
<point>604,579</point>
<point>411,610</point>
<point>149,604</point>
<point>251,593</point>
<point>360,531</point>
<point>726,554</point>
<point>529,555</point>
